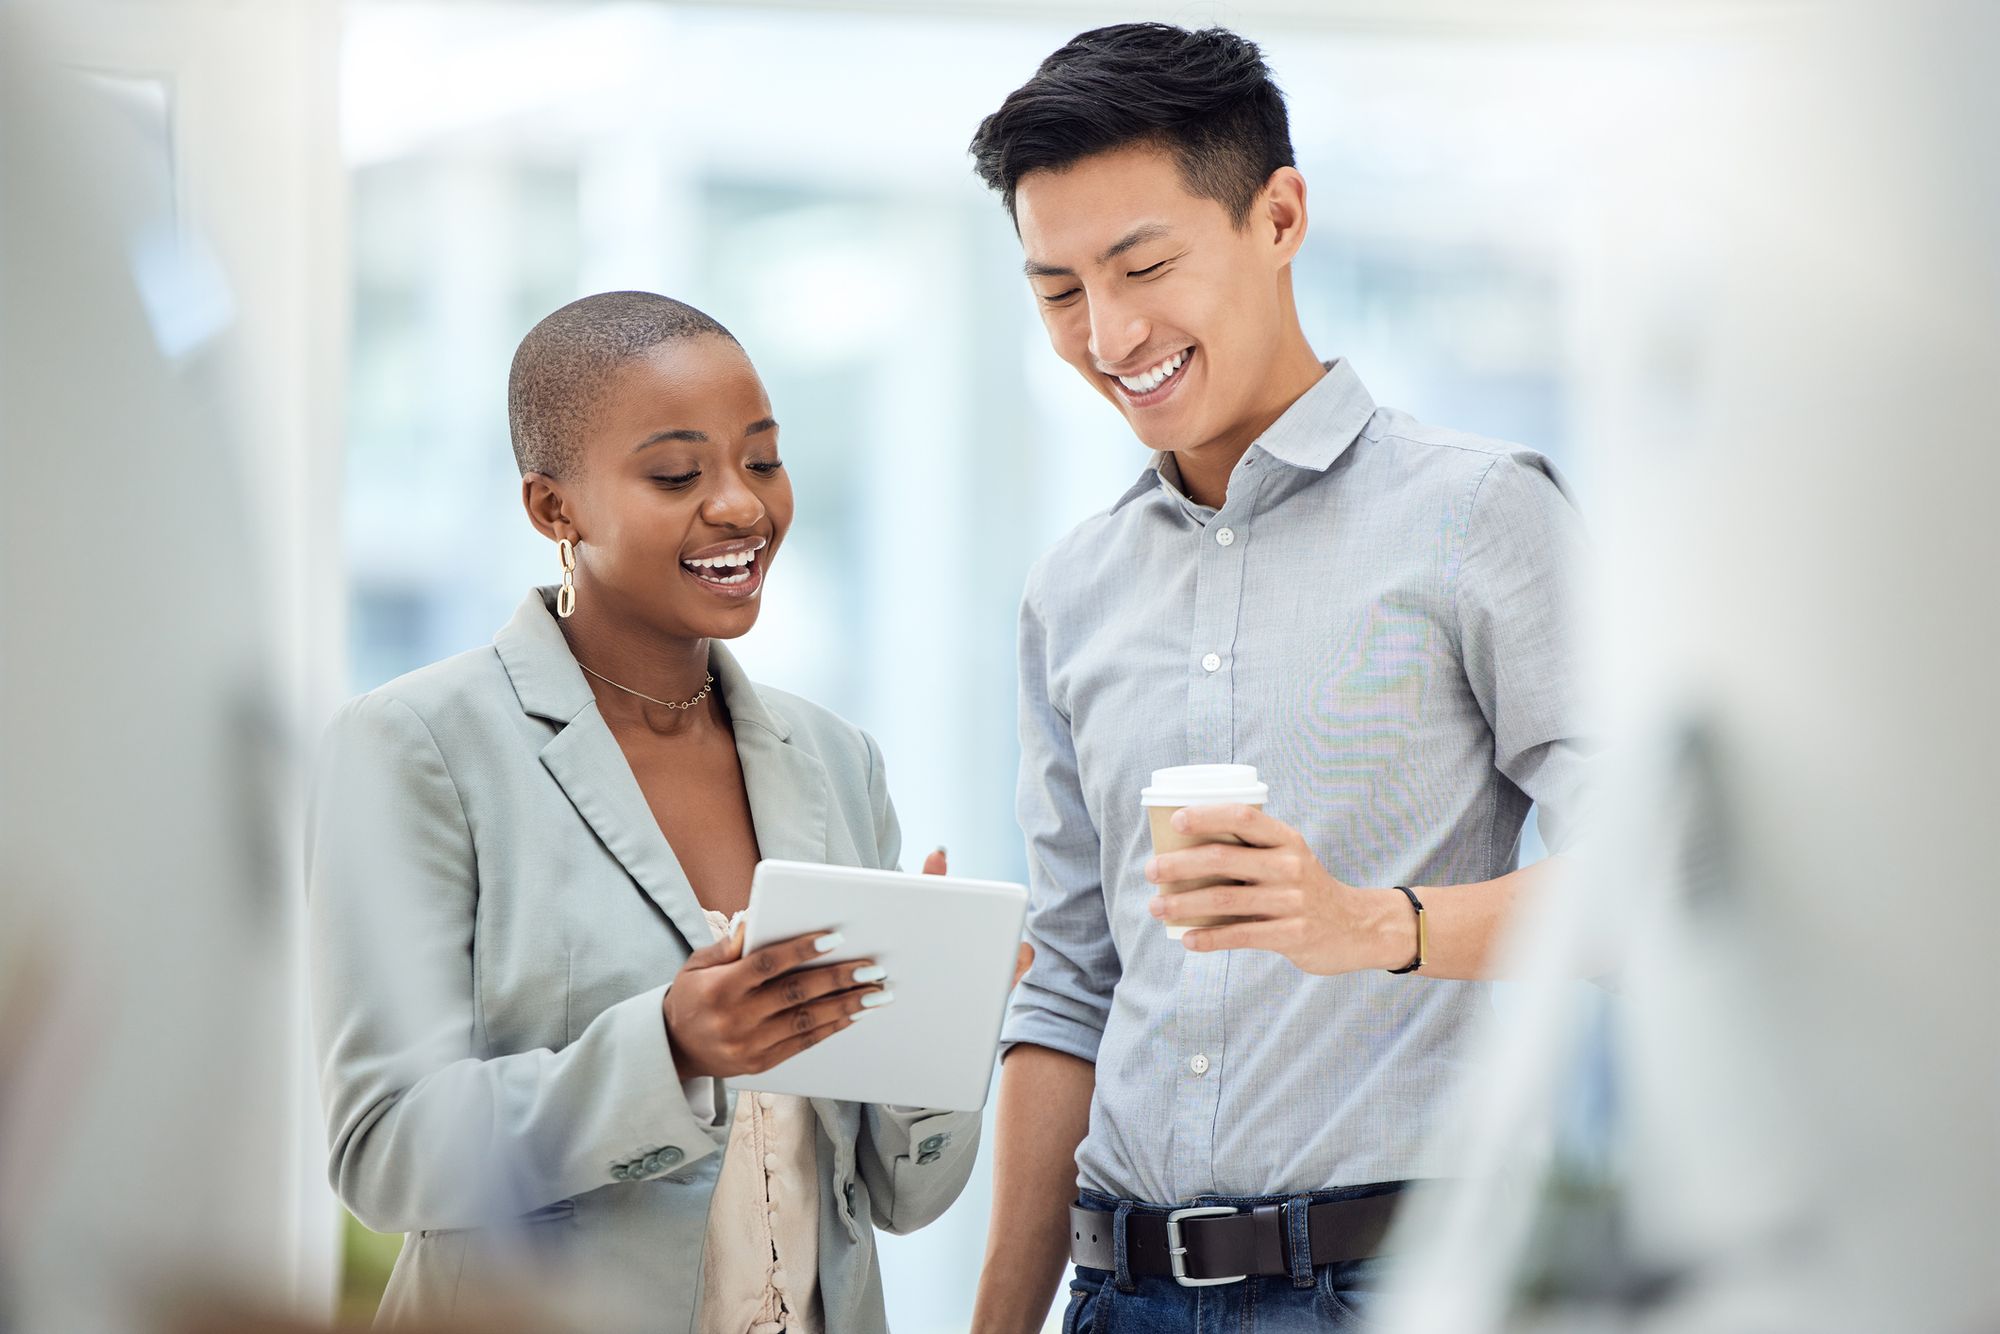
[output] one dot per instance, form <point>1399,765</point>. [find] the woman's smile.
<point>733,571</point>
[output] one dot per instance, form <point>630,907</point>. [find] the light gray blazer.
<point>495,918</point>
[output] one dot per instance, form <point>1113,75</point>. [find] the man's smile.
<point>1154,384</point>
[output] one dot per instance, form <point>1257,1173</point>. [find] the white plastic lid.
<point>1205,785</point>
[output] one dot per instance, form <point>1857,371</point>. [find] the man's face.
<point>681,466</point>
<point>1158,300</point>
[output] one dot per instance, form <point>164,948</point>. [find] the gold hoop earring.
<point>566,595</point>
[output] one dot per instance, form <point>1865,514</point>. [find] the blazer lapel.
<point>586,762</point>
<point>787,786</point>
<point>585,759</point>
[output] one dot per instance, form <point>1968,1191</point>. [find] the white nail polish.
<point>877,998</point>
<point>832,940</point>
<point>874,972</point>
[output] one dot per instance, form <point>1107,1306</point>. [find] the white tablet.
<point>948,944</point>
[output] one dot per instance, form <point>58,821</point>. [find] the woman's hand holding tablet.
<point>735,1013</point>
<point>952,951</point>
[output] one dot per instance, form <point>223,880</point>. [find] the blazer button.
<point>620,1173</point>
<point>652,1163</point>
<point>670,1155</point>
<point>927,1158</point>
<point>932,1145</point>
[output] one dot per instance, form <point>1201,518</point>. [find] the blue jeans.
<point>1338,1298</point>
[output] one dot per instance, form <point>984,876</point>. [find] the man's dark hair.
<point>562,366</point>
<point>1207,97</point>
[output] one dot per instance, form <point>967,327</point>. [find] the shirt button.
<point>770,1162</point>
<point>778,1279</point>
<point>1224,536</point>
<point>1211,662</point>
<point>1199,1064</point>
<point>765,1101</point>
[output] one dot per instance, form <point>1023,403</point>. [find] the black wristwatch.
<point>1423,941</point>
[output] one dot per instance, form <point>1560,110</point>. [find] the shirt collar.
<point>1313,432</point>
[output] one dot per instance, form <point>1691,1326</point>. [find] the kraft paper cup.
<point>1197,785</point>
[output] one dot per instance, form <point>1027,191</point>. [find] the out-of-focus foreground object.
<point>170,313</point>
<point>1798,321</point>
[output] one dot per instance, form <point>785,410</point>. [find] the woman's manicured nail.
<point>1180,820</point>
<point>1152,871</point>
<point>832,940</point>
<point>941,852</point>
<point>874,972</point>
<point>875,999</point>
<point>1157,906</point>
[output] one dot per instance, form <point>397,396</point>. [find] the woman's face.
<point>681,500</point>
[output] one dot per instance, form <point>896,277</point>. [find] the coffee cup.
<point>1197,785</point>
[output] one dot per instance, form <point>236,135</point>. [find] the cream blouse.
<point>760,1260</point>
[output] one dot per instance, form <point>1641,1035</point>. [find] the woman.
<point>523,865</point>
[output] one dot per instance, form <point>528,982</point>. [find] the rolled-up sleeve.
<point>1518,586</point>
<point>1065,999</point>
<point>424,1130</point>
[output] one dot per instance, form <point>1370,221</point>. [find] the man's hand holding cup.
<point>1255,877</point>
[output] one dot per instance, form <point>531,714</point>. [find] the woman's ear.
<point>1282,208</point>
<point>548,509</point>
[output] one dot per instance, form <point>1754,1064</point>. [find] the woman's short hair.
<point>561,369</point>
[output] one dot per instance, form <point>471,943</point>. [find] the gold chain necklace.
<point>708,682</point>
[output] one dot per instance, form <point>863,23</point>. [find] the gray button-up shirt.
<point>1381,619</point>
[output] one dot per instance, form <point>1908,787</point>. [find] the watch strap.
<point>1423,939</point>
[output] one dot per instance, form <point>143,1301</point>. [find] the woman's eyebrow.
<point>682,434</point>
<point>691,437</point>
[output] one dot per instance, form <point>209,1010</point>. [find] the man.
<point>1373,612</point>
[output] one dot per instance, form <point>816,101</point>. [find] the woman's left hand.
<point>1023,957</point>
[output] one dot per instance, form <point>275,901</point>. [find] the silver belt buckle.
<point>1177,1252</point>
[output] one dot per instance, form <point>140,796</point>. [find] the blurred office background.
<point>1547,221</point>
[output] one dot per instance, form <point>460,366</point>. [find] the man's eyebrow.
<point>1138,236</point>
<point>683,434</point>
<point>761,424</point>
<point>1151,231</point>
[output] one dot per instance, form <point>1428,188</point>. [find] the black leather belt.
<point>1214,1244</point>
